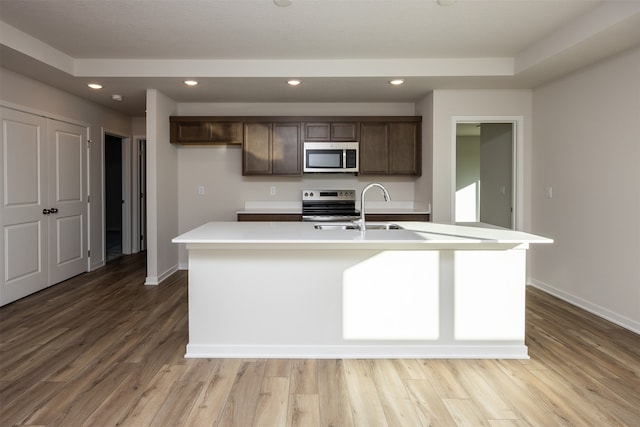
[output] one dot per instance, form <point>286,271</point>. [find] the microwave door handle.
<point>344,158</point>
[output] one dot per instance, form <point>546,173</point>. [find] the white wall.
<point>424,184</point>
<point>162,189</point>
<point>36,97</point>
<point>479,103</point>
<point>219,168</point>
<point>587,149</point>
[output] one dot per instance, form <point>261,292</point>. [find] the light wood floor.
<point>102,349</point>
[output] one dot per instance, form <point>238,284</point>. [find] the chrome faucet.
<point>361,222</point>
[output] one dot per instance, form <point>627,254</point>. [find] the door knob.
<point>46,211</point>
<point>53,210</point>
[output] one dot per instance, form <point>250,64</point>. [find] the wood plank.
<point>304,410</point>
<point>211,402</point>
<point>335,408</point>
<point>363,394</point>
<point>273,402</point>
<point>241,404</point>
<point>398,408</point>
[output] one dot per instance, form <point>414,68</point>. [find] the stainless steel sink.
<point>351,226</point>
<point>333,226</point>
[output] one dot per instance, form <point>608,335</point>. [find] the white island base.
<point>422,297</point>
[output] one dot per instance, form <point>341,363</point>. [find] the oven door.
<point>320,211</point>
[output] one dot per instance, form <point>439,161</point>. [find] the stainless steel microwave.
<point>331,157</point>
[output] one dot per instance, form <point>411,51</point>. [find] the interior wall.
<point>219,168</point>
<point>447,104</point>
<point>20,92</point>
<point>586,155</point>
<point>162,189</point>
<point>424,184</point>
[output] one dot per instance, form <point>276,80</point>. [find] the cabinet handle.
<point>46,211</point>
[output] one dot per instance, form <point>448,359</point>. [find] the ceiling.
<point>342,50</point>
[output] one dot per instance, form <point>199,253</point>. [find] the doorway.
<point>142,201</point>
<point>113,167</point>
<point>486,171</point>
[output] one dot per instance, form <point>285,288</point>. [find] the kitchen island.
<point>289,289</point>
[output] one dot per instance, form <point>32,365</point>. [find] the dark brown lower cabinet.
<point>269,217</point>
<point>298,217</point>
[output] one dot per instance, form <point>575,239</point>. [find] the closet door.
<point>67,200</point>
<point>24,250</point>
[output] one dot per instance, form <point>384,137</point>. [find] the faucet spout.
<point>361,223</point>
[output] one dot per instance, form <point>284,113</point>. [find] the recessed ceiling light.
<point>397,82</point>
<point>94,86</point>
<point>191,82</point>
<point>294,82</point>
<point>116,97</point>
<point>282,3</point>
<point>446,2</point>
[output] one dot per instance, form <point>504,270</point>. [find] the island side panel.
<point>489,295</point>
<point>301,303</point>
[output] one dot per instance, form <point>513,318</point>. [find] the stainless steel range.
<point>329,205</point>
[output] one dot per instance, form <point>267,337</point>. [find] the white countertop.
<point>414,235</point>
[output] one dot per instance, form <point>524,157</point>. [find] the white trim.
<point>599,311</point>
<point>359,351</point>
<point>97,265</point>
<point>135,193</point>
<point>45,114</point>
<point>154,281</point>
<point>518,162</point>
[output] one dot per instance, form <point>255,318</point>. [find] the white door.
<point>44,207</point>
<point>24,188</point>
<point>67,200</point>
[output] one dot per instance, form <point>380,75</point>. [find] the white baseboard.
<point>358,352</point>
<point>599,311</point>
<point>97,265</point>
<point>154,281</point>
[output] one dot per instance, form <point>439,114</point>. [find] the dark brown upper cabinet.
<point>205,131</point>
<point>272,145</point>
<point>272,149</point>
<point>331,131</point>
<point>391,148</point>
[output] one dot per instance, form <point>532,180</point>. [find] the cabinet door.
<point>331,131</point>
<point>202,131</point>
<point>404,149</point>
<point>317,131</point>
<point>374,149</point>
<point>256,150</point>
<point>286,151</point>
<point>226,132</point>
<point>344,131</point>
<point>190,132</point>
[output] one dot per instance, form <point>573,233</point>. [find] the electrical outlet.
<point>201,190</point>
<point>272,190</point>
<point>548,192</point>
